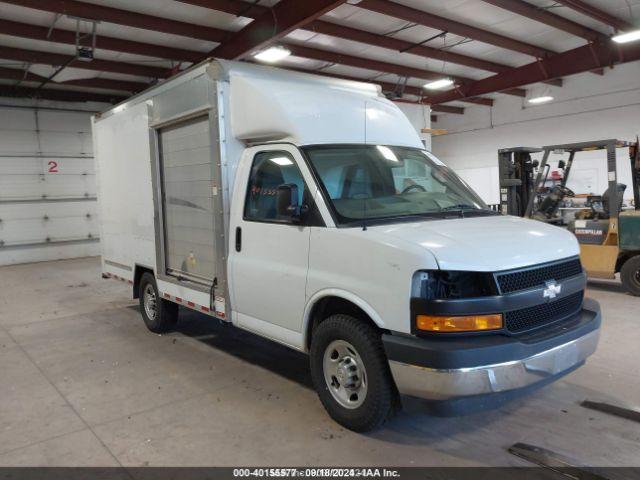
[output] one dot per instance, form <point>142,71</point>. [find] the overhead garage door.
<point>47,185</point>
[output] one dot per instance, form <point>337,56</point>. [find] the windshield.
<point>376,182</point>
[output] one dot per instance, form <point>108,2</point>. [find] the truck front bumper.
<point>442,369</point>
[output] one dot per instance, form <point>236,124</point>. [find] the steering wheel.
<point>415,186</point>
<point>568,192</point>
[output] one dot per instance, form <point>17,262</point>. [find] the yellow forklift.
<point>609,236</point>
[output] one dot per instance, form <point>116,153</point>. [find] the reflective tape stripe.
<point>111,275</point>
<point>186,303</point>
<point>181,301</point>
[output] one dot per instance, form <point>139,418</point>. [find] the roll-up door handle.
<point>238,239</point>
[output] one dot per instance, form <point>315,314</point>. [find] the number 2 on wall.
<point>53,167</point>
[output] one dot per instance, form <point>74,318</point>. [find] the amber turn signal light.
<point>469,323</point>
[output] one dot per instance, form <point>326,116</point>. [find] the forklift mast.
<point>516,171</point>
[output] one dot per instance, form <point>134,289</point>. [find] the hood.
<point>487,244</point>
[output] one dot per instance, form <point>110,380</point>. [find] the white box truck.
<point>306,210</point>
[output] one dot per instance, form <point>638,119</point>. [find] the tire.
<point>341,343</point>
<point>160,315</point>
<point>630,275</point>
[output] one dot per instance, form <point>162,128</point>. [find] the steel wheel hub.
<point>150,301</point>
<point>344,374</point>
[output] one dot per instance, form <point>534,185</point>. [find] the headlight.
<point>443,284</point>
<point>450,285</point>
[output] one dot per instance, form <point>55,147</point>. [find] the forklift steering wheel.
<point>568,192</point>
<point>415,186</point>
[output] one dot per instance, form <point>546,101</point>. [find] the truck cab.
<point>306,210</point>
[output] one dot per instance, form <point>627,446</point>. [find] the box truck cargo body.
<point>306,210</point>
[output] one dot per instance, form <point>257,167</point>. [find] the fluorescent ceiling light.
<point>282,161</point>
<point>272,54</point>
<point>542,99</point>
<point>627,37</point>
<point>387,153</point>
<point>438,84</point>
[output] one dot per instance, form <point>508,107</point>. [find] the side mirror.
<point>561,164</point>
<point>288,206</point>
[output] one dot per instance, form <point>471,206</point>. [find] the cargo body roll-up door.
<point>187,177</point>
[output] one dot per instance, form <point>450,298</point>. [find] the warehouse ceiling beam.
<point>403,46</point>
<point>579,60</point>
<point>370,64</point>
<point>487,102</point>
<point>408,90</point>
<point>433,21</point>
<point>283,18</point>
<point>35,32</point>
<point>520,7</point>
<point>367,63</point>
<point>357,35</point>
<point>394,10</point>
<point>238,8</point>
<point>59,95</point>
<point>103,83</point>
<point>92,11</point>
<point>124,45</point>
<point>597,14</point>
<point>19,75</point>
<point>446,109</point>
<point>444,24</point>
<point>107,84</point>
<point>56,59</point>
<point>419,92</point>
<point>62,36</point>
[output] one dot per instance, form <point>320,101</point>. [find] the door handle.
<point>238,239</point>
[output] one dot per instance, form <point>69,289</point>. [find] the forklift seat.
<point>620,189</point>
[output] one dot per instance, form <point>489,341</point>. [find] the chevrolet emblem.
<point>552,290</point>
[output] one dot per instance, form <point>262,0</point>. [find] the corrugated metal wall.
<point>47,184</point>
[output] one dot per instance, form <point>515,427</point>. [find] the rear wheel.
<point>350,373</point>
<point>630,275</point>
<point>159,315</point>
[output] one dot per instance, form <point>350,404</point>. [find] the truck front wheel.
<point>350,373</point>
<point>630,275</point>
<point>159,315</point>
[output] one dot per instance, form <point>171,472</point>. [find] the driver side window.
<point>269,171</point>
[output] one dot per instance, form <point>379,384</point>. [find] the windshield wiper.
<point>462,207</point>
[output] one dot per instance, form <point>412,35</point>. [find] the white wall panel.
<point>588,107</point>
<point>47,184</point>
<point>481,180</point>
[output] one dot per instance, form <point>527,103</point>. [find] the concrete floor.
<point>82,382</point>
